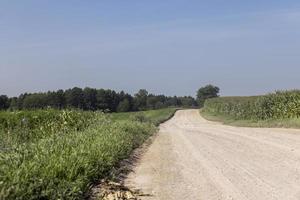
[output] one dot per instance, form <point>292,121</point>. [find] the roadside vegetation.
<point>52,154</point>
<point>153,116</point>
<point>279,109</point>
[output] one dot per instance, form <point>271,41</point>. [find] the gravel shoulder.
<point>192,158</point>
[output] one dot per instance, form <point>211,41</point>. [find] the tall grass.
<point>29,126</point>
<point>153,116</point>
<point>279,105</point>
<point>64,163</point>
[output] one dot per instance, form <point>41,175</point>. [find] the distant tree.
<point>187,101</point>
<point>102,101</point>
<point>61,99</point>
<point>209,91</point>
<point>75,98</point>
<point>114,100</point>
<point>35,101</point>
<point>173,101</point>
<point>159,105</point>
<point>151,101</point>
<point>124,106</point>
<point>4,102</point>
<point>13,103</point>
<point>94,99</point>
<point>90,98</point>
<point>140,99</point>
<point>20,101</point>
<point>56,99</point>
<point>125,96</point>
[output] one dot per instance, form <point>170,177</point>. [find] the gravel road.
<point>192,158</point>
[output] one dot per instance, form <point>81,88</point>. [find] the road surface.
<point>192,158</point>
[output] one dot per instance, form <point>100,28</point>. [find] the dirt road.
<point>192,158</point>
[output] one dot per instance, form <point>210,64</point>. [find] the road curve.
<point>192,158</point>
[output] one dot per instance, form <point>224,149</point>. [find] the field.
<point>280,109</point>
<point>50,154</point>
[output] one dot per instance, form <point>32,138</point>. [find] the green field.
<point>50,154</point>
<point>280,109</point>
<point>276,123</point>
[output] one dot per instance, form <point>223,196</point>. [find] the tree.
<point>35,101</point>
<point>141,99</point>
<point>90,98</point>
<point>4,102</point>
<point>13,103</point>
<point>56,99</point>
<point>94,99</point>
<point>172,101</point>
<point>124,106</point>
<point>75,98</point>
<point>209,91</point>
<point>20,101</point>
<point>187,101</point>
<point>151,101</point>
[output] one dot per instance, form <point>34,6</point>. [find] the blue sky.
<point>166,46</point>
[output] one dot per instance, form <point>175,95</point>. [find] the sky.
<point>170,47</point>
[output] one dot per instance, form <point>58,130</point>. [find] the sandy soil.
<point>192,158</point>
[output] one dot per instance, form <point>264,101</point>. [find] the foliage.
<point>94,99</point>
<point>124,106</point>
<point>4,102</point>
<point>64,162</point>
<point>141,99</point>
<point>278,105</point>
<point>28,126</point>
<point>154,116</point>
<point>207,92</point>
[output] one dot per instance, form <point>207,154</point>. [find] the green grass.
<point>154,116</point>
<point>270,123</point>
<point>29,126</point>
<point>64,161</point>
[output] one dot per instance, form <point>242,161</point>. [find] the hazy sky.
<point>166,46</point>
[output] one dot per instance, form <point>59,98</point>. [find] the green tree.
<point>4,102</point>
<point>187,101</point>
<point>35,101</point>
<point>13,103</point>
<point>56,99</point>
<point>90,98</point>
<point>207,92</point>
<point>124,106</point>
<point>151,101</point>
<point>75,98</point>
<point>140,99</point>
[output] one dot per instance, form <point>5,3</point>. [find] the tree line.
<point>104,99</point>
<point>94,99</point>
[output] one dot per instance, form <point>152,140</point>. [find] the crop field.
<point>51,154</point>
<point>281,108</point>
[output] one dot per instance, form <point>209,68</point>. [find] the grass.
<point>154,116</point>
<point>63,162</point>
<point>269,123</point>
